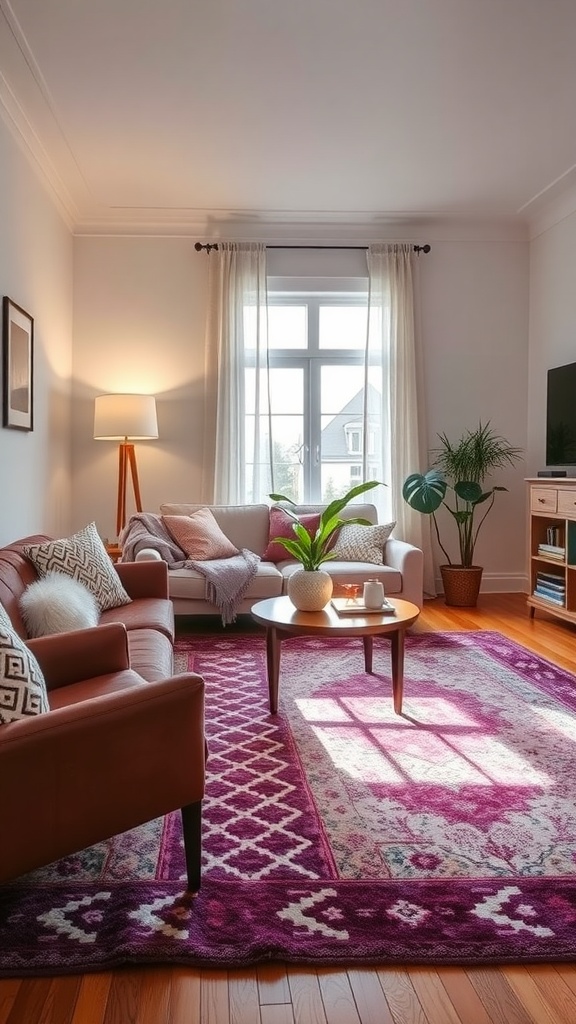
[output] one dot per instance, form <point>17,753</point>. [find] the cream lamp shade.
<point>119,417</point>
<point>125,418</point>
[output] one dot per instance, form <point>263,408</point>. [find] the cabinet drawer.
<point>567,502</point>
<point>543,499</point>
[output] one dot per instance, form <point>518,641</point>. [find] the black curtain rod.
<point>208,246</point>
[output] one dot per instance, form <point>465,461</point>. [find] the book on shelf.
<point>557,556</point>
<point>556,549</point>
<point>551,577</point>
<point>550,588</point>
<point>553,535</point>
<point>547,584</point>
<point>559,592</point>
<point>546,595</point>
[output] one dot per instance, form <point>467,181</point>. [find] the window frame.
<point>312,359</point>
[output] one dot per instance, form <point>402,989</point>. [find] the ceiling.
<point>187,114</point>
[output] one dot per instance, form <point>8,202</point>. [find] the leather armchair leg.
<point>192,828</point>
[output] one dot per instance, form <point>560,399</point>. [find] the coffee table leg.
<point>397,657</point>
<point>368,647</point>
<point>273,663</point>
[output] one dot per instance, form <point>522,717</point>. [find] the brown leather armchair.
<point>113,752</point>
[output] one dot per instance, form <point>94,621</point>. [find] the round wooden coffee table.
<point>282,619</point>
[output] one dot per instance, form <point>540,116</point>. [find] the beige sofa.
<point>247,526</point>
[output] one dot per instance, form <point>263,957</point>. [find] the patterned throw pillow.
<point>22,686</point>
<point>281,526</point>
<point>199,536</point>
<point>84,558</point>
<point>57,604</point>
<point>356,543</point>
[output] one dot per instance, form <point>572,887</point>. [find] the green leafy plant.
<point>462,469</point>
<point>312,551</point>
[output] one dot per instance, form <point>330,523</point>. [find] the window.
<point>315,394</point>
<point>353,433</point>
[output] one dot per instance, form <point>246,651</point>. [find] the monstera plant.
<point>456,482</point>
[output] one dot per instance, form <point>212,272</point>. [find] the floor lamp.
<point>125,418</point>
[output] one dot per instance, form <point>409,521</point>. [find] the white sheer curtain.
<point>237,456</point>
<point>394,402</point>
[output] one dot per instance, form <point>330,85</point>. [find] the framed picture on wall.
<point>18,365</point>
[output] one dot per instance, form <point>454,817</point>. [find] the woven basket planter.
<point>461,585</point>
<point>309,591</point>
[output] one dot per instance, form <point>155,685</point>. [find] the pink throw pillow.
<point>199,536</point>
<point>281,526</point>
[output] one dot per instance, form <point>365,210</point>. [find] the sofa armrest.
<point>409,561</point>
<point>145,578</point>
<point>99,767</point>
<point>67,658</point>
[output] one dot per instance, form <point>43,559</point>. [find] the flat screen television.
<point>561,416</point>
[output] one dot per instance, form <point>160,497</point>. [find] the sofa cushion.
<point>83,557</point>
<point>246,526</point>
<point>144,613</point>
<point>57,604</point>
<point>357,543</point>
<point>199,535</point>
<point>282,525</point>
<point>190,584</point>
<point>151,654</point>
<point>22,685</point>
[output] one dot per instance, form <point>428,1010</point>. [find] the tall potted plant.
<point>310,588</point>
<point>459,470</point>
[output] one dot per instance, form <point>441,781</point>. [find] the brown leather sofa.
<point>123,741</point>
<point>149,618</point>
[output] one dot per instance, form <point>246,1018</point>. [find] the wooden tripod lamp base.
<point>125,418</point>
<point>126,461</point>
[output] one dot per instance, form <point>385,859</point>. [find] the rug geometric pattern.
<point>336,832</point>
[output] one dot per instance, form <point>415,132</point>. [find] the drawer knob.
<point>542,500</point>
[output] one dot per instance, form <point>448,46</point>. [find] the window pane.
<point>341,406</point>
<point>342,327</point>
<point>342,389</point>
<point>286,390</point>
<point>287,326</point>
<point>286,428</point>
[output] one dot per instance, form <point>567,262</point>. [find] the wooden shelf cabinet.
<point>552,522</point>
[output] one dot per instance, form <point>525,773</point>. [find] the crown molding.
<point>553,205</point>
<point>304,227</point>
<point>27,110</point>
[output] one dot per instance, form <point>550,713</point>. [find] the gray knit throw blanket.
<point>227,579</point>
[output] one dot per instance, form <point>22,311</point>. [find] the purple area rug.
<point>337,832</point>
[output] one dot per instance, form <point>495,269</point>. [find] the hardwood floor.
<point>282,994</point>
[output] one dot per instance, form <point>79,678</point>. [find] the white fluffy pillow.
<point>57,604</point>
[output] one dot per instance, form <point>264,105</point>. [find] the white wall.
<point>475,334</point>
<point>140,307</point>
<point>552,325</point>
<point>36,263</point>
<point>139,310</point>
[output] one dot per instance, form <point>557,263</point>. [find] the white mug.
<point>373,594</point>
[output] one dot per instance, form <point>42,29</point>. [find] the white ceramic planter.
<point>309,591</point>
